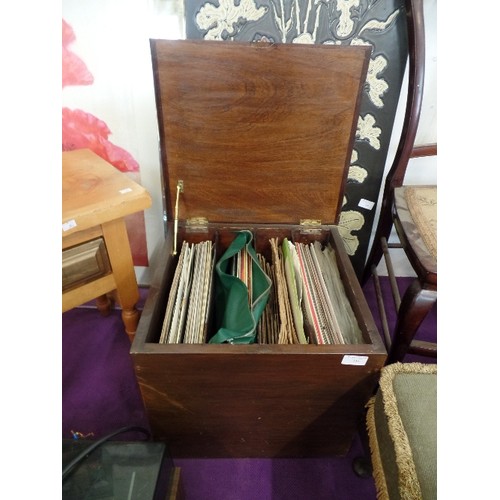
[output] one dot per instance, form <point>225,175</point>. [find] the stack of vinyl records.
<point>307,302</point>
<point>188,307</point>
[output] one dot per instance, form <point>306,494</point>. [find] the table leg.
<point>120,257</point>
<point>103,304</point>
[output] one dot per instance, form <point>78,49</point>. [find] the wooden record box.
<point>255,136</point>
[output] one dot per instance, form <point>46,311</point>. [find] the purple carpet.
<point>100,395</point>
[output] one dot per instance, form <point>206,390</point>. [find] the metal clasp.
<point>180,189</point>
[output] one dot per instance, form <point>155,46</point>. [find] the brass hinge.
<point>310,226</point>
<point>197,222</point>
<point>310,222</point>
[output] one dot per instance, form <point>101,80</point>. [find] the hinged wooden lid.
<point>257,132</point>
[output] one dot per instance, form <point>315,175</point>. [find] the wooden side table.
<point>96,256</point>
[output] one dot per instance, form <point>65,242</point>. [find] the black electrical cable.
<point>98,443</point>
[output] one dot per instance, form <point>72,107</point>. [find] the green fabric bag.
<point>236,320</point>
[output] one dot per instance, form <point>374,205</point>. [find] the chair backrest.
<point>394,28</point>
<point>416,76</point>
<point>406,147</point>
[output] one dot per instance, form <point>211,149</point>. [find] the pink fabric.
<point>79,128</point>
<point>74,70</point>
<point>83,130</point>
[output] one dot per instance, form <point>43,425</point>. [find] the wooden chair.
<point>403,208</point>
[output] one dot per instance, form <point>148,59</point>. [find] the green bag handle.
<point>235,319</point>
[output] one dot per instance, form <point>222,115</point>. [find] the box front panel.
<point>255,405</point>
